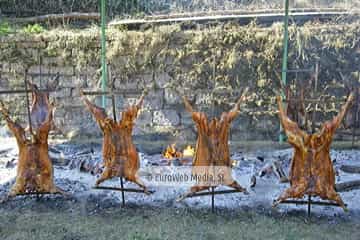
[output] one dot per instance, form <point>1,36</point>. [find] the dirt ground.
<point>97,214</point>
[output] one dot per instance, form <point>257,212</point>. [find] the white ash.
<point>79,184</point>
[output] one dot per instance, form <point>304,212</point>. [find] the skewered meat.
<point>212,148</point>
<point>120,156</point>
<point>312,171</point>
<point>34,170</point>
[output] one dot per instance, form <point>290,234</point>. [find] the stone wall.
<point>168,61</point>
<point>162,117</point>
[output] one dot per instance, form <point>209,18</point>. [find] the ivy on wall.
<point>226,57</point>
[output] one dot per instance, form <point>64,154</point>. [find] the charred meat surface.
<point>312,171</point>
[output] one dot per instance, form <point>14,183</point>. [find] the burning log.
<point>90,165</point>
<point>58,158</point>
<point>252,181</point>
<point>88,162</point>
<point>347,186</point>
<point>120,156</point>
<point>212,149</point>
<point>5,151</point>
<point>312,171</point>
<point>34,171</point>
<point>350,169</point>
<point>172,154</point>
<point>275,168</point>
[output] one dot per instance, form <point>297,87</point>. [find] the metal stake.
<point>356,114</point>
<point>309,206</point>
<point>122,191</point>
<point>212,192</point>
<point>309,202</point>
<point>112,94</point>
<point>212,199</point>
<point>40,68</point>
<point>113,107</point>
<point>284,59</point>
<point>103,50</point>
<point>121,178</point>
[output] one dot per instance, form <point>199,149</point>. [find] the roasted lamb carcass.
<point>120,156</point>
<point>312,171</point>
<point>212,148</point>
<point>34,171</point>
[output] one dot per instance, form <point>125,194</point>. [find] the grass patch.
<point>149,223</point>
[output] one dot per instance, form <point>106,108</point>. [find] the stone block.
<point>145,118</point>
<point>162,79</point>
<point>34,69</point>
<point>204,99</point>
<point>172,97</point>
<point>126,83</point>
<point>5,67</point>
<point>166,118</point>
<point>187,135</point>
<point>50,61</point>
<point>4,81</point>
<point>63,93</point>
<point>154,100</point>
<point>66,70</point>
<point>186,119</point>
<point>147,78</point>
<point>17,68</point>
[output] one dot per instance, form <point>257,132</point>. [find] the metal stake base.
<point>212,192</point>
<point>309,202</point>
<point>123,190</point>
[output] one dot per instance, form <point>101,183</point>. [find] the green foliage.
<point>35,29</point>
<point>5,29</point>
<point>227,57</point>
<point>20,8</point>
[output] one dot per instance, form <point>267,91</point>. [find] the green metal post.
<point>103,51</point>
<point>285,59</point>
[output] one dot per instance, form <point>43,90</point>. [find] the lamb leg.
<point>237,186</point>
<point>104,176</point>
<point>141,184</point>
<point>192,191</point>
<point>292,192</point>
<point>334,196</point>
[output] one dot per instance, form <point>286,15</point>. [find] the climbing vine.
<point>226,57</point>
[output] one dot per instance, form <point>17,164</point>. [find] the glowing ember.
<point>234,163</point>
<point>172,152</point>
